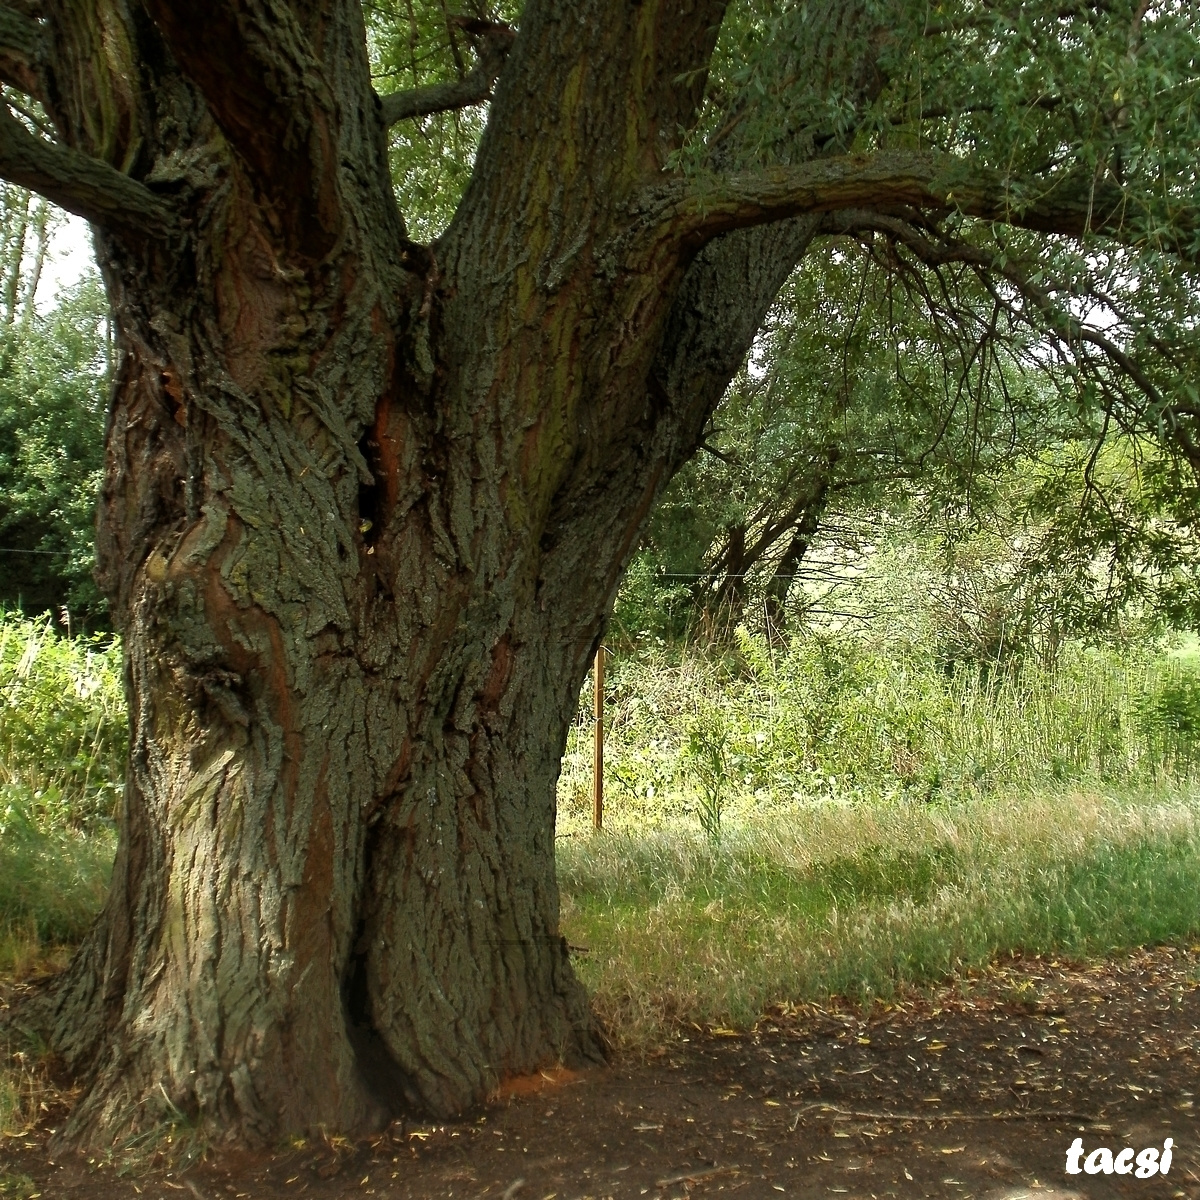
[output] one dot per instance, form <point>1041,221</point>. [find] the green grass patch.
<point>17,1187</point>
<point>51,887</point>
<point>860,901</point>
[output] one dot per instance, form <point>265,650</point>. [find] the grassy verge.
<point>51,887</point>
<point>856,901</point>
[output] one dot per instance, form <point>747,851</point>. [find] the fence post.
<point>598,752</point>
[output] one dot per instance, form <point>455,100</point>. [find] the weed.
<point>705,752</point>
<point>17,1187</point>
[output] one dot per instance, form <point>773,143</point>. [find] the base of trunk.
<point>162,1030</point>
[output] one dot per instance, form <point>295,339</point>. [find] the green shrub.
<point>705,751</point>
<point>1169,715</point>
<point>650,605</point>
<point>707,739</point>
<point>63,727</point>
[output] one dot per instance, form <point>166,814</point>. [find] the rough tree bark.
<point>366,507</point>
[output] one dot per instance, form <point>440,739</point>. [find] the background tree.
<point>900,388</point>
<point>367,500</point>
<point>925,398</point>
<point>53,391</point>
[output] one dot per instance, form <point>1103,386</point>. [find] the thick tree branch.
<point>256,67</point>
<point>22,49</point>
<point>731,283</point>
<point>595,104</point>
<point>80,184</point>
<point>493,45</point>
<point>699,209</point>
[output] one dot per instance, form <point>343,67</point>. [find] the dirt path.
<point>975,1091</point>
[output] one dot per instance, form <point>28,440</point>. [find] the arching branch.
<point>492,46</point>
<point>934,249</point>
<point>1071,205</point>
<point>79,183</point>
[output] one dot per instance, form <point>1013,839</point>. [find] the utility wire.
<point>722,575</point>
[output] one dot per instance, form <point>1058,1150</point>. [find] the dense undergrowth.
<point>839,816</point>
<point>705,741</point>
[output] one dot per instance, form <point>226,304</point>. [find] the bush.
<point>840,718</point>
<point>63,729</point>
<point>1169,716</point>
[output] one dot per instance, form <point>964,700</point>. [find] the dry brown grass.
<point>860,901</point>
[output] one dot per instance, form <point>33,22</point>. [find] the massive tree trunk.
<point>366,507</point>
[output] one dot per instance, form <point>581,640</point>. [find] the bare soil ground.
<point>975,1090</point>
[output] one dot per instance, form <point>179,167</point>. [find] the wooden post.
<point>598,753</point>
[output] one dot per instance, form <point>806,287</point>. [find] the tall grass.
<point>51,887</point>
<point>839,719</point>
<point>857,901</point>
<point>63,731</point>
<point>62,760</point>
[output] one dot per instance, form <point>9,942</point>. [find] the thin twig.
<point>687,1176</point>
<point>861,1115</point>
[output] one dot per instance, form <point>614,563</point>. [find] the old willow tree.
<point>368,497</point>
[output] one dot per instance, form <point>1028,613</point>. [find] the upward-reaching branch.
<point>583,110</point>
<point>79,183</point>
<point>493,43</point>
